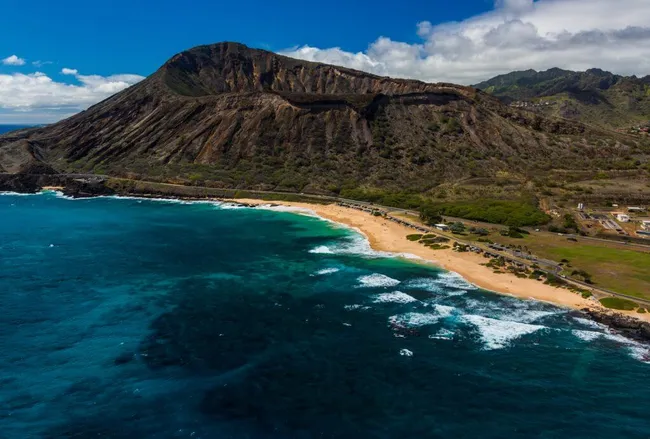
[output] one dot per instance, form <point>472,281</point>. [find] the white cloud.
<point>22,96</point>
<point>67,71</point>
<point>13,60</point>
<point>40,63</point>
<point>516,35</point>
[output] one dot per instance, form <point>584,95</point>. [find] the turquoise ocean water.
<point>126,318</point>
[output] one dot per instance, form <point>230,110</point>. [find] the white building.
<point>623,217</point>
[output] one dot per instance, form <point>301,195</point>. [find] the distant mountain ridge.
<point>226,115</point>
<point>594,96</point>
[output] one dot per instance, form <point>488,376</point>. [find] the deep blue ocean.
<point>126,318</point>
<point>7,128</point>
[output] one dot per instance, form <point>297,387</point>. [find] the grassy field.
<point>612,266</point>
<point>623,271</point>
<point>618,303</point>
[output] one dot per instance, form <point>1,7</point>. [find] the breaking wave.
<point>414,319</point>
<point>417,319</point>
<point>443,334</point>
<point>17,194</point>
<point>586,335</point>
<point>394,297</point>
<point>356,307</point>
<point>439,285</point>
<point>377,280</point>
<point>498,334</point>
<point>450,279</point>
<point>325,271</point>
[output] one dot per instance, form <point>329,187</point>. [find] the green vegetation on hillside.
<point>516,213</point>
<point>618,303</point>
<point>595,96</point>
<point>507,212</point>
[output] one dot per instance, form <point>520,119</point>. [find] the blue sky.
<point>59,57</point>
<point>119,36</point>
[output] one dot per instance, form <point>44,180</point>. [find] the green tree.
<point>430,215</point>
<point>457,227</point>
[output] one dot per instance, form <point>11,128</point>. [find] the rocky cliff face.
<point>225,115</point>
<point>234,68</point>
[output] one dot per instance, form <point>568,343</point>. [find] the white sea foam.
<point>228,206</point>
<point>355,245</point>
<point>356,307</point>
<point>414,319</point>
<point>59,194</point>
<point>609,335</point>
<point>325,271</point>
<point>377,280</point>
<point>497,334</point>
<point>586,335</point>
<point>444,310</point>
<point>417,319</point>
<point>443,334</point>
<point>17,194</point>
<point>454,280</point>
<point>321,250</point>
<point>215,203</point>
<point>589,323</point>
<point>447,284</point>
<point>512,309</point>
<point>530,315</point>
<point>425,283</point>
<point>406,353</point>
<point>394,297</point>
<point>160,199</point>
<point>640,352</point>
<point>637,350</point>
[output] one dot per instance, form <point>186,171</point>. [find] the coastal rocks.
<point>626,326</point>
<point>19,183</point>
<point>87,187</point>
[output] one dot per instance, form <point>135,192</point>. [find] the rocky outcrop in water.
<point>627,326</point>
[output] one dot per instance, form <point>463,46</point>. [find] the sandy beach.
<point>388,236</point>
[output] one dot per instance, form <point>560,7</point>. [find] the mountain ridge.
<point>225,115</point>
<point>594,96</point>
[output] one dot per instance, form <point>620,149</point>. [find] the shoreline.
<point>388,236</point>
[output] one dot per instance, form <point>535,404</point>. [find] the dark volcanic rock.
<point>19,183</point>
<point>627,326</point>
<point>87,187</point>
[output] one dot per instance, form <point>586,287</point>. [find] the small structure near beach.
<point>623,218</point>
